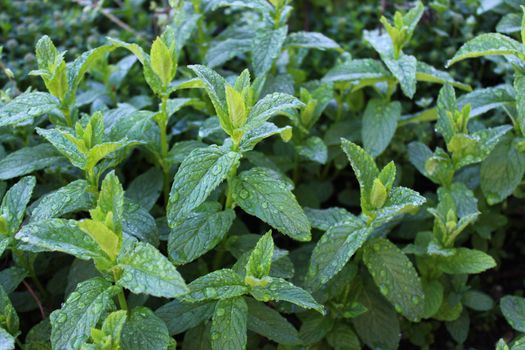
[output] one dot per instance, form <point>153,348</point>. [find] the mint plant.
<point>267,174</point>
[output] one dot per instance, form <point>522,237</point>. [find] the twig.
<point>33,294</point>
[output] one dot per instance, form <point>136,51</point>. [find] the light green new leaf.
<point>15,201</point>
<point>229,324</point>
<point>101,151</point>
<point>379,125</point>
<point>75,196</point>
<point>72,323</point>
<point>29,159</point>
<point>143,330</point>
<point>162,62</point>
<point>396,277</point>
<point>262,193</point>
<point>260,260</point>
<point>106,239</point>
<point>269,106</point>
<point>466,261</point>
<point>26,106</point>
<point>267,46</point>
<point>487,45</point>
<point>513,308</point>
<point>146,270</point>
<point>364,168</point>
<point>334,250</point>
<point>220,284</point>
<point>62,236</point>
<point>310,40</point>
<point>198,233</point>
<point>279,289</point>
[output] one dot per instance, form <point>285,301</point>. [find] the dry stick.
<point>107,13</point>
<point>33,294</point>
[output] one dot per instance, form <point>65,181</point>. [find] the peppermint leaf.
<point>199,174</point>
<point>146,270</point>
<point>229,324</point>
<point>261,192</point>
<point>27,106</point>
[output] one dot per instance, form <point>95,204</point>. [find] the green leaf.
<point>229,324</point>
<point>198,175</point>
<point>364,168</point>
<point>427,73</point>
<point>8,317</point>
<point>501,172</point>
<point>214,85</point>
<point>15,201</point>
<point>401,200</point>
<point>71,198</point>
<point>113,326</point>
<point>11,277</point>
<point>362,71</point>
<point>396,277</point>
<point>342,337</point>
<point>143,330</point>
<point>262,193</point>
<point>379,326</point>
<point>270,324</point>
<point>266,48</point>
<point>269,106</point>
<point>484,100</point>
<point>27,160</point>
<point>251,138</point>
<point>260,260</point>
<point>404,69</point>
<point>137,222</point>
<point>145,189</point>
<point>433,297</point>
<point>334,250</point>
<point>72,323</point>
<point>101,151</point>
<point>26,106</point>
<point>279,289</point>
<point>477,300</point>
<point>487,45</point>
<point>67,145</point>
<point>513,308</point>
<point>62,236</point>
<point>323,219</point>
<point>106,239</point>
<point>146,270</point>
<point>198,233</point>
<point>466,261</point>
<point>310,40</point>
<point>180,316</point>
<point>7,341</point>
<point>162,62</point>
<point>379,125</point>
<point>220,284</point>
<point>314,149</point>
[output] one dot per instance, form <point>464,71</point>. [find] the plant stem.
<point>19,343</point>
<point>67,116</point>
<point>229,190</point>
<point>164,147</point>
<point>122,300</point>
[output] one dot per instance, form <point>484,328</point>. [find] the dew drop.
<point>61,318</point>
<point>220,312</point>
<point>264,205</point>
<point>244,194</point>
<point>216,170</point>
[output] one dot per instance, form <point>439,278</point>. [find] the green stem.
<point>67,116</point>
<point>229,191</point>
<point>19,343</point>
<point>122,300</point>
<point>164,147</point>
